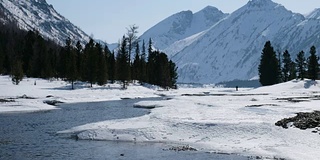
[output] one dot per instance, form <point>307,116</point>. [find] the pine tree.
<point>143,65</point>
<point>102,75</point>
<point>71,60</point>
<point>112,67</point>
<point>79,51</point>
<point>173,75</point>
<point>301,65</point>
<point>293,71</point>
<point>90,63</point>
<point>123,66</point>
<point>280,78</point>
<point>17,72</point>
<point>28,52</point>
<point>136,63</point>
<point>287,63</point>
<point>313,65</point>
<point>2,55</point>
<point>151,64</point>
<point>268,68</point>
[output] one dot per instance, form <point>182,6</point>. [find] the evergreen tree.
<point>313,65</point>
<point>71,66</point>
<point>143,65</point>
<point>102,75</point>
<point>79,57</point>
<point>268,68</point>
<point>293,71</point>
<point>280,78</point>
<point>136,64</point>
<point>29,41</point>
<point>17,72</point>
<point>112,67</point>
<point>301,65</point>
<point>173,75</point>
<point>287,66</point>
<point>90,66</point>
<point>2,55</point>
<point>123,66</point>
<point>151,64</point>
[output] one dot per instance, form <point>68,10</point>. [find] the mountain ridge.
<point>182,25</point>
<point>230,49</point>
<point>39,15</point>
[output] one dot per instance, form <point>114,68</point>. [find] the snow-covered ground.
<point>208,119</point>
<point>60,91</point>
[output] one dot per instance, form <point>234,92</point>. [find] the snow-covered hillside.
<point>39,15</point>
<point>182,25</point>
<point>231,48</point>
<point>222,120</point>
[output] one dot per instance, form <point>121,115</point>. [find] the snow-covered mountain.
<point>231,48</point>
<point>39,15</point>
<point>182,25</point>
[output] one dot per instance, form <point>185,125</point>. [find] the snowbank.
<point>48,91</point>
<point>222,120</point>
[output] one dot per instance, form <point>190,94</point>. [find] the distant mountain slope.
<point>39,15</point>
<point>182,25</point>
<point>231,48</point>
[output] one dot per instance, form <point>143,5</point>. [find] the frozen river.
<point>34,135</point>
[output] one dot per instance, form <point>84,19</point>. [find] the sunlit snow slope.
<point>231,47</point>
<point>40,16</point>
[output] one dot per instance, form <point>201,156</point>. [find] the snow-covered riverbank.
<point>29,97</point>
<point>223,120</point>
<point>208,119</point>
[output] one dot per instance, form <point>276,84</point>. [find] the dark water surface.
<point>34,135</point>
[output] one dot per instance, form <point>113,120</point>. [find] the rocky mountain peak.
<point>315,14</point>
<point>261,5</point>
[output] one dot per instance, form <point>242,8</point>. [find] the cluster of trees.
<point>273,69</point>
<point>154,68</point>
<point>28,54</point>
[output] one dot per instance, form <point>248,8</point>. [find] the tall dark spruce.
<point>71,63</point>
<point>287,67</point>
<point>90,58</point>
<point>301,65</point>
<point>123,66</point>
<point>268,68</point>
<point>313,65</point>
<point>102,74</point>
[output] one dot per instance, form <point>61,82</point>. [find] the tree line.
<point>27,53</point>
<point>279,68</point>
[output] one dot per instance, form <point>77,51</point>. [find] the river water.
<point>33,135</point>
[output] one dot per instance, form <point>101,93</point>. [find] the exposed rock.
<point>25,97</point>
<point>6,100</point>
<point>302,120</point>
<point>144,106</point>
<point>52,102</point>
<point>182,148</point>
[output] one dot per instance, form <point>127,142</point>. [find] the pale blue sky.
<point>107,19</point>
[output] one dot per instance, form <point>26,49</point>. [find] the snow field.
<point>60,90</point>
<point>223,121</point>
<point>208,119</point>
